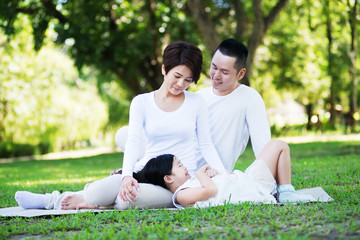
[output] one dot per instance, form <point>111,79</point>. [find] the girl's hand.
<point>203,169</point>
<point>127,189</point>
<point>211,172</point>
<point>115,171</point>
<point>206,169</point>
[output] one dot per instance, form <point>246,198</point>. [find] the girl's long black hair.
<point>155,170</point>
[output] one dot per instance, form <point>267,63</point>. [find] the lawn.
<point>335,166</point>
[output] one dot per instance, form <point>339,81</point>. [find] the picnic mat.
<point>318,193</point>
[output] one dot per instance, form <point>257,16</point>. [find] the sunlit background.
<point>69,69</point>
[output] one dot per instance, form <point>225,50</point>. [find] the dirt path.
<point>66,154</point>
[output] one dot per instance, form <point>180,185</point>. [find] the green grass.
<point>335,166</point>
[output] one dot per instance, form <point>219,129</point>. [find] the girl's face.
<point>177,79</point>
<point>179,173</point>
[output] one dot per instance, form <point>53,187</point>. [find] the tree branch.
<point>26,10</point>
<point>51,9</point>
<point>269,20</point>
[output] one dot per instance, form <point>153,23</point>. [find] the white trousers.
<point>105,193</point>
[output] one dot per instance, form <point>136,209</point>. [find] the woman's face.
<point>177,79</point>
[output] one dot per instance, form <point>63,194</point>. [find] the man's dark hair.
<point>233,48</point>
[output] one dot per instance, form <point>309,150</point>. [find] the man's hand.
<point>115,171</point>
<point>127,191</point>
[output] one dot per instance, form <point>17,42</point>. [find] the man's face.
<point>223,74</point>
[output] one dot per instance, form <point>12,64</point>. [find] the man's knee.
<point>121,137</point>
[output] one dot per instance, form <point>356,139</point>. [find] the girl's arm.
<point>208,189</point>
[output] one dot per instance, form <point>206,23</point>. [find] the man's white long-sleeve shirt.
<point>233,118</point>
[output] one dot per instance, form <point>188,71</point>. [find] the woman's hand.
<point>127,189</point>
<point>115,171</point>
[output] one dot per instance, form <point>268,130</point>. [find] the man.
<point>236,111</point>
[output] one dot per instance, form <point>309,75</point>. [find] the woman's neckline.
<point>172,111</point>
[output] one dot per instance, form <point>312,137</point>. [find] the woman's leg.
<point>29,200</point>
<point>100,193</point>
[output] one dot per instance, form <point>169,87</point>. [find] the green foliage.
<point>8,149</point>
<point>42,99</point>
<point>117,47</point>
<point>121,37</point>
<point>332,165</point>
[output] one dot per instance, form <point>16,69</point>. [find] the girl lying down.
<point>269,174</point>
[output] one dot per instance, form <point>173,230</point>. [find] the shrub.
<point>8,149</point>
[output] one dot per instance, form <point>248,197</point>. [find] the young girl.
<point>269,174</point>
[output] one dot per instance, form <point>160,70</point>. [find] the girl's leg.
<point>276,154</point>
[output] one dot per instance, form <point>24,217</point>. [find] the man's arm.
<point>258,124</point>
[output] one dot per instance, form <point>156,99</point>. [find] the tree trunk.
<point>204,23</point>
<point>330,62</point>
<point>352,54</point>
<point>309,112</point>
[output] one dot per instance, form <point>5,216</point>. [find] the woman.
<point>173,120</point>
<point>257,184</point>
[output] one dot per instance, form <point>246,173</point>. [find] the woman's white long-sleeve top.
<point>179,132</point>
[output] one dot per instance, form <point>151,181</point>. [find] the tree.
<point>353,20</point>
<point>238,13</point>
<point>122,37</point>
<point>42,100</point>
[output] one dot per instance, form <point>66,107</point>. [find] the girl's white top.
<point>256,185</point>
<point>179,132</point>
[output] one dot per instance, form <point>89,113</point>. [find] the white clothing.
<point>53,200</point>
<point>179,132</point>
<point>233,118</point>
<point>255,185</point>
<point>105,193</point>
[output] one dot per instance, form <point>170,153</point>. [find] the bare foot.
<point>70,202</point>
<point>85,205</point>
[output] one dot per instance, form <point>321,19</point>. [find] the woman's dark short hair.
<point>155,170</point>
<point>183,53</point>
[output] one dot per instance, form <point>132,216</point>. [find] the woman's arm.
<point>208,189</point>
<point>136,122</point>
<point>131,155</point>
